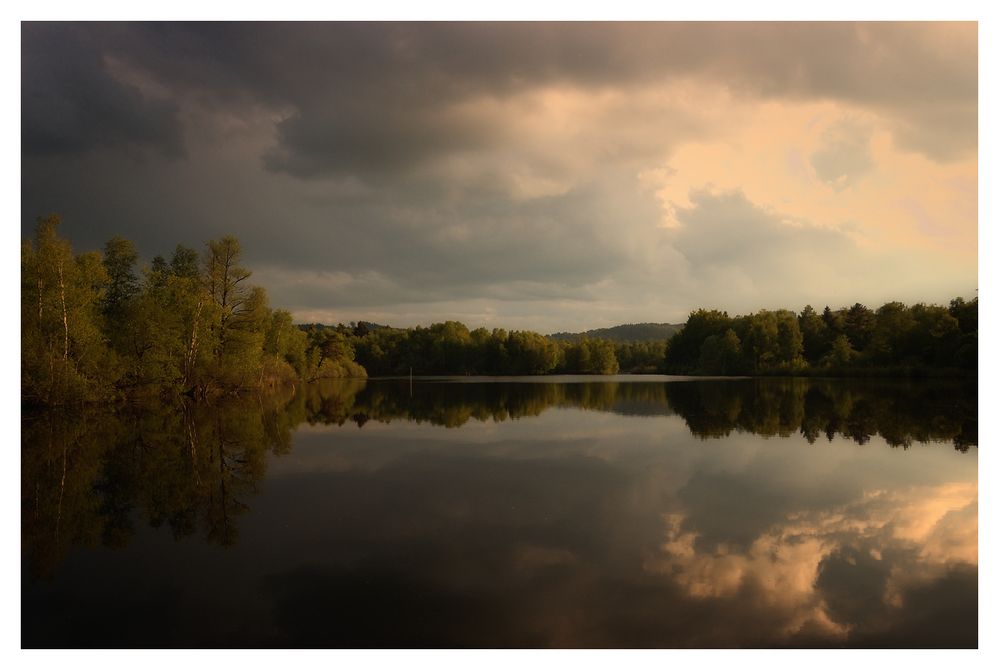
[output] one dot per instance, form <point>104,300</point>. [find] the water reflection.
<point>855,568</point>
<point>902,412</point>
<point>569,529</point>
<point>189,467</point>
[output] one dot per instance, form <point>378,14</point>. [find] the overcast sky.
<point>541,176</point>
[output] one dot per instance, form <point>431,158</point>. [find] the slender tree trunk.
<point>222,478</point>
<point>193,348</point>
<point>51,387</point>
<point>62,490</point>
<point>65,318</point>
<point>223,322</point>
<point>193,441</point>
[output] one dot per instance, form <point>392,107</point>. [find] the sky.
<point>552,177</point>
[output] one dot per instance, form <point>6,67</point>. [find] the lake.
<point>535,512</point>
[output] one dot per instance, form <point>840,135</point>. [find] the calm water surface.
<point>568,512</point>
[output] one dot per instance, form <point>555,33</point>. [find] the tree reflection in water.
<point>94,478</point>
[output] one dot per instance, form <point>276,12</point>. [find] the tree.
<point>602,358</point>
<point>720,355</point>
<point>814,334</point>
<point>841,354</point>
<point>789,341</point>
<point>890,340</point>
<point>684,348</point>
<point>331,354</point>
<point>286,343</point>
<point>966,313</point>
<point>835,322</point>
<point>241,314</point>
<point>119,302</point>
<point>122,284</point>
<point>761,344</point>
<point>63,351</point>
<point>859,325</point>
<point>184,262</point>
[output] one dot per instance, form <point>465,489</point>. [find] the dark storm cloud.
<point>367,165</point>
<point>370,95</point>
<point>71,104</point>
<point>348,139</point>
<point>367,97</point>
<point>506,252</point>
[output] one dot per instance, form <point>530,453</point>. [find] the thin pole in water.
<point>410,381</point>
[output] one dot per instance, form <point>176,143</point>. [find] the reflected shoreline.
<point>97,478</point>
<point>903,412</point>
<point>193,466</point>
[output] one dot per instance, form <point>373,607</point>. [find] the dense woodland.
<point>94,327</point>
<point>451,348</point>
<point>894,339</point>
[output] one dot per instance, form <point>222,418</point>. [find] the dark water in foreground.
<point>598,513</point>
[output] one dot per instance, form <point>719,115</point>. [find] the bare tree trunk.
<point>193,441</point>
<point>51,387</point>
<point>62,490</point>
<point>193,348</point>
<point>65,318</point>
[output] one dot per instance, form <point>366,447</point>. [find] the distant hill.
<point>357,328</point>
<point>628,332</point>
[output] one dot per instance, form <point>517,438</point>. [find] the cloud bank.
<point>545,176</point>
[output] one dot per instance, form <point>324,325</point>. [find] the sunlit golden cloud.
<point>919,531</point>
<point>543,176</point>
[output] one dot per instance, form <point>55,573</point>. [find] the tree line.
<point>893,339</point>
<point>96,328</point>
<point>450,348</point>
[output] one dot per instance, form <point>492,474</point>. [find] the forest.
<point>97,328</point>
<point>450,348</point>
<point>893,340</point>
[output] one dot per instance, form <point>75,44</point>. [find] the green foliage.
<point>841,354</point>
<point>64,353</point>
<point>640,357</point>
<point>122,284</point>
<point>330,354</point>
<point>93,331</point>
<point>721,354</point>
<point>683,351</point>
<point>814,334</point>
<point>449,348</point>
<point>590,357</point>
<point>894,338</point>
